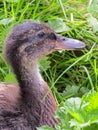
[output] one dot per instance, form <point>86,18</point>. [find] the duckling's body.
<point>31,103</point>
<point>19,114</point>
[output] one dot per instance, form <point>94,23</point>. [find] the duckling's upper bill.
<point>69,44</point>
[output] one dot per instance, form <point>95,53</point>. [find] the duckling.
<point>30,104</point>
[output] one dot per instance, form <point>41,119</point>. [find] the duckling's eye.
<point>28,48</point>
<point>52,36</point>
<point>41,34</point>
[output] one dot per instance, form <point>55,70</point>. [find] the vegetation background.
<point>72,75</point>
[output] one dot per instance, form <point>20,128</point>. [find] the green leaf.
<point>45,128</point>
<point>64,118</point>
<point>58,25</point>
<point>93,7</point>
<point>70,90</point>
<point>74,91</point>
<point>10,78</point>
<point>93,102</point>
<point>11,1</point>
<point>93,22</point>
<point>6,21</point>
<point>44,64</point>
<point>91,127</point>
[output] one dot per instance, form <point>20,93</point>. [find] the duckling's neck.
<point>30,79</point>
<point>36,94</point>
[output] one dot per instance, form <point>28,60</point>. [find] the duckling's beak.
<point>64,43</point>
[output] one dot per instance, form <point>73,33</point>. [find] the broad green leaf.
<point>93,22</point>
<point>58,25</point>
<point>45,128</point>
<point>44,63</point>
<point>93,102</point>
<point>10,78</point>
<point>6,21</point>
<point>93,7</point>
<point>11,1</point>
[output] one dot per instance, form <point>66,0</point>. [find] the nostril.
<point>64,39</point>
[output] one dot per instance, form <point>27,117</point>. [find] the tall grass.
<point>68,68</point>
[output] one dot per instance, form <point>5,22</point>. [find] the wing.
<point>9,95</point>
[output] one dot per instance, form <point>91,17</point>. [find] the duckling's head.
<point>31,40</point>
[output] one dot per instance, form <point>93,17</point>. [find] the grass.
<point>69,73</point>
